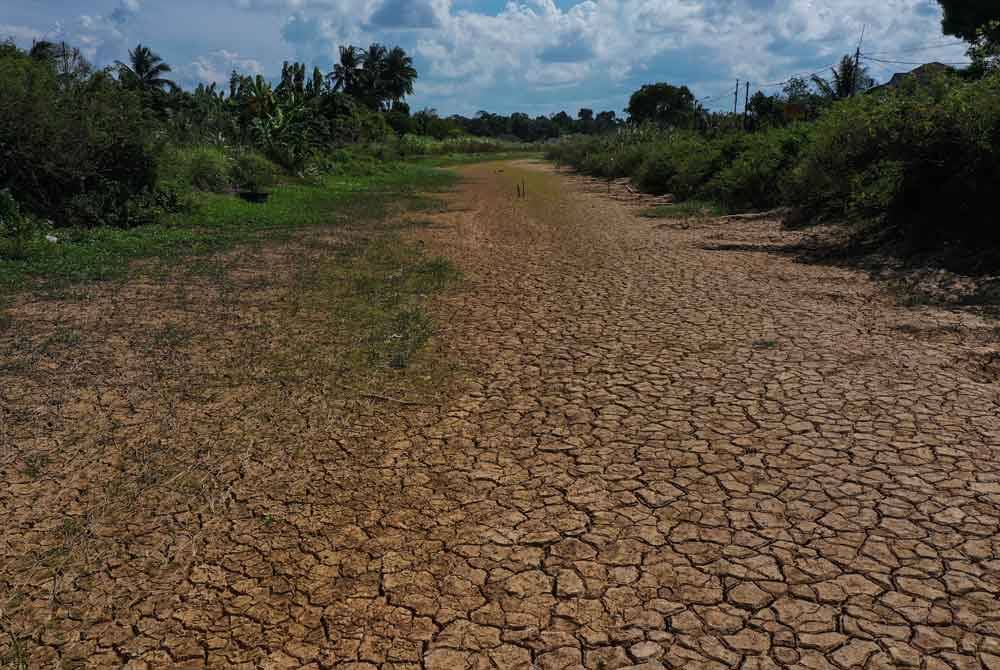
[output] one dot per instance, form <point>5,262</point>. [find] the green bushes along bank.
<point>921,161</point>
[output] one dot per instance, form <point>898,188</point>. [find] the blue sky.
<point>536,56</point>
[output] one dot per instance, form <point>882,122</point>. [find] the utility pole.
<point>736,97</point>
<point>746,106</point>
<point>857,62</point>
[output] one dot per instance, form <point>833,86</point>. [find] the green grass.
<point>449,160</point>
<point>376,292</point>
<point>689,209</point>
<point>218,222</point>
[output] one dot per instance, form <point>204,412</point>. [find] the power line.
<point>873,57</point>
<point>926,47</point>
<point>909,62</point>
<point>799,75</point>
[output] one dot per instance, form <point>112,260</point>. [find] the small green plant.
<point>34,464</point>
<point>16,230</point>
<point>254,173</point>
<point>765,344</point>
<point>683,210</point>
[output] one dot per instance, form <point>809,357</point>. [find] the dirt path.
<point>678,450</point>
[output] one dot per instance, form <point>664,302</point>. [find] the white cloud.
<point>22,35</point>
<point>215,67</point>
<point>469,58</point>
<point>536,44</point>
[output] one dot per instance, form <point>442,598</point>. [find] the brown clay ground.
<point>670,448</point>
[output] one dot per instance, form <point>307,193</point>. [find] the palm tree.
<point>145,71</point>
<point>848,79</point>
<point>346,74</point>
<point>256,97</point>
<point>373,62</point>
<point>399,74</point>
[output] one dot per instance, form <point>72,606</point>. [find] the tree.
<point>346,75</point>
<point>800,99</point>
<point>606,121</point>
<point>145,71</point>
<point>67,62</point>
<point>564,122</point>
<point>966,18</point>
<point>985,50</point>
<point>766,110</point>
<point>847,79</point>
<point>43,51</point>
<point>665,105</point>
<point>373,85</point>
<point>398,75</point>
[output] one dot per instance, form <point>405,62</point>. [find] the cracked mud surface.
<point>670,455</point>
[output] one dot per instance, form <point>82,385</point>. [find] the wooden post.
<point>736,97</point>
<point>746,106</point>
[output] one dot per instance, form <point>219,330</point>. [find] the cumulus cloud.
<point>215,67</point>
<point>537,43</point>
<point>315,39</point>
<point>22,35</point>
<point>402,14</point>
<point>101,38</point>
<point>470,57</point>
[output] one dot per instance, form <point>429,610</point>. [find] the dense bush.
<point>253,172</point>
<point>75,151</point>
<point>16,228</point>
<point>754,179</point>
<point>205,168</point>
<point>924,161</point>
<point>682,165</point>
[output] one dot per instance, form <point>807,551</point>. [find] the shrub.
<point>209,170</point>
<point>205,168</point>
<point>16,229</point>
<point>755,178</point>
<point>684,163</point>
<point>924,161</point>
<point>65,141</point>
<point>253,172</point>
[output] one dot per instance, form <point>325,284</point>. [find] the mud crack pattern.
<point>679,451</point>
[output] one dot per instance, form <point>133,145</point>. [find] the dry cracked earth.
<point>674,448</point>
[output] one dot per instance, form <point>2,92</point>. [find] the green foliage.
<point>924,161</point>
<point>217,222</point>
<point>678,165</point>
<point>16,229</point>
<point>847,79</point>
<point>965,18</point>
<point>754,178</point>
<point>204,168</point>
<point>409,146</point>
<point>691,209</point>
<point>72,151</point>
<point>984,50</point>
<point>252,172</point>
<point>664,104</point>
